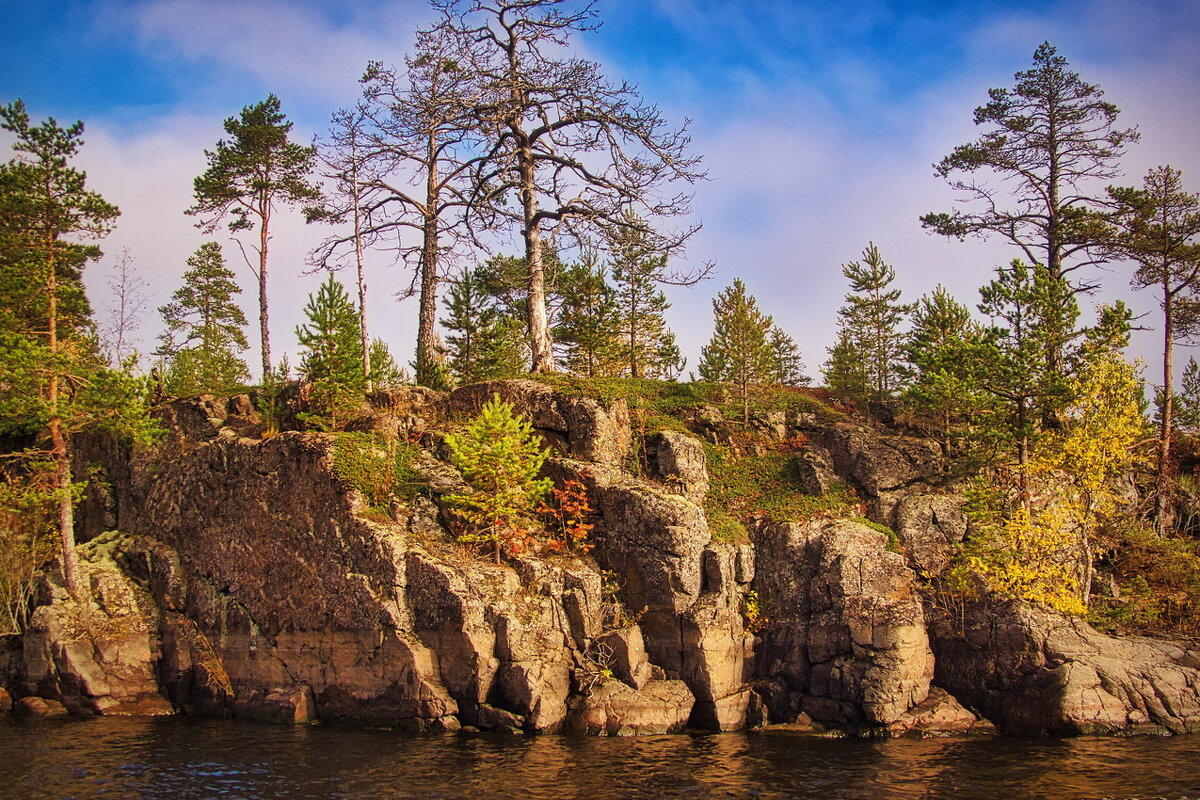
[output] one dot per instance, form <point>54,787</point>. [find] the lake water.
<point>189,758</point>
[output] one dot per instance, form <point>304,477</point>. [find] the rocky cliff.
<point>242,576</point>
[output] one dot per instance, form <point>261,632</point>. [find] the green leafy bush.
<point>379,469</point>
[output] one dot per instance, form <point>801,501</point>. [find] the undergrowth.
<point>380,469</point>
<point>746,489</point>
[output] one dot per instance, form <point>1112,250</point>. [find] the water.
<point>187,758</point>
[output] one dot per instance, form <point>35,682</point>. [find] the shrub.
<point>379,469</point>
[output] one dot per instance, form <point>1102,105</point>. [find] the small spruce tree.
<point>871,318</point>
<point>332,360</point>
<point>787,367</point>
<point>204,335</point>
<point>738,352</point>
<point>499,456</point>
<point>588,329</point>
<point>482,341</point>
<point>637,268</point>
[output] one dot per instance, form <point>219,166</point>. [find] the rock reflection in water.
<point>153,759</point>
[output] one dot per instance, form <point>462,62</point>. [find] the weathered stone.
<point>814,472</point>
<point>584,428</point>
<point>447,724</point>
<point>32,706</point>
<point>492,718</point>
<point>878,464</point>
<point>846,640</point>
<point>615,708</point>
<point>1035,672</point>
<point>653,539</point>
<point>930,526</point>
<point>97,657</point>
<point>624,652</point>
<point>939,715</point>
<point>293,705</point>
<point>680,463</point>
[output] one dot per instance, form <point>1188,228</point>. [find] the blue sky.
<point>818,122</point>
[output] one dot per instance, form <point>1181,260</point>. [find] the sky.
<point>818,123</point>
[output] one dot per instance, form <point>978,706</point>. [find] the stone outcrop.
<point>96,655</point>
<point>251,581</point>
<point>1035,672</point>
<point>617,709</point>
<point>881,467</point>
<point>846,640</point>
<point>930,525</point>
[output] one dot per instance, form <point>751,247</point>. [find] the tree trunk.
<point>364,337</point>
<point>427,315</point>
<point>1161,509</point>
<point>58,440</point>
<point>540,342</point>
<point>263,326</point>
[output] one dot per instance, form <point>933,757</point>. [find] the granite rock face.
<point>249,580</point>
<point>846,641</point>
<point>1035,672</point>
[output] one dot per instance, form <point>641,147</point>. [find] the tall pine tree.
<point>248,178</point>
<point>54,381</point>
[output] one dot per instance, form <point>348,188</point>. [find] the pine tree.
<point>1159,229</point>
<point>1032,313</point>
<point>637,268</point>
<point>845,371</point>
<point>738,352</point>
<point>1049,137</point>
<point>500,457</point>
<point>54,380</point>
<point>385,372</point>
<point>205,333</point>
<point>482,341</point>
<point>332,360</point>
<point>588,324</point>
<point>945,383</point>
<point>247,178</point>
<point>787,367</point>
<point>872,344</point>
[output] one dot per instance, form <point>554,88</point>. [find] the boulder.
<point>617,709</point>
<point>679,462</point>
<point>39,707</point>
<point>846,640</point>
<point>291,705</point>
<point>940,715</point>
<point>624,652</point>
<point>930,525</point>
<point>814,472</point>
<point>881,467</point>
<point>1036,672</point>
<point>97,655</point>
<point>581,427</point>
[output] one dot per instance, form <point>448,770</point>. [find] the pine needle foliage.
<point>499,456</point>
<point>332,360</point>
<point>205,333</point>
<point>739,351</point>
